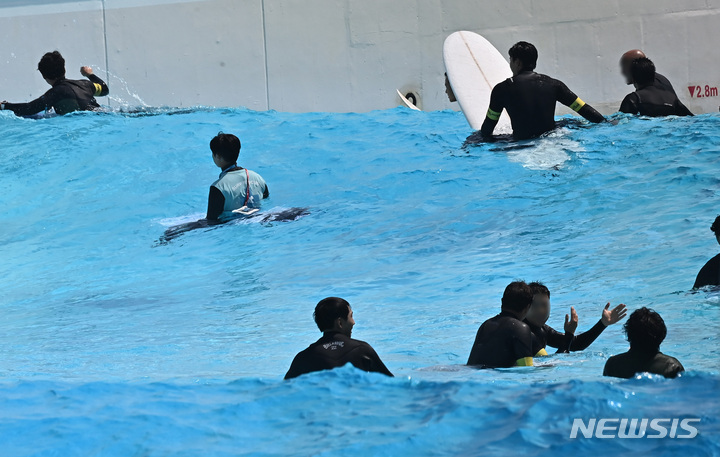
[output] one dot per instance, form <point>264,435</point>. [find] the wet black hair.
<point>539,288</point>
<point>227,146</point>
<point>52,65</point>
<point>526,53</point>
<point>642,71</point>
<point>645,330</point>
<point>328,310</point>
<point>716,225</point>
<point>518,297</point>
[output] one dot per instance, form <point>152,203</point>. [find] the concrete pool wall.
<point>347,55</point>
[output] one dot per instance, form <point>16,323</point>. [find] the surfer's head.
<point>448,90</point>
<point>517,298</point>
<point>52,67</point>
<point>626,60</point>
<point>642,71</point>
<point>716,228</point>
<point>645,330</point>
<point>334,314</point>
<point>539,311</point>
<point>225,149</point>
<point>523,57</point>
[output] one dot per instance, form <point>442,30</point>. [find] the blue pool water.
<point>113,344</point>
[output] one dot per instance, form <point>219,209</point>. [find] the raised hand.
<point>610,317</point>
<point>571,321</point>
<point>86,71</point>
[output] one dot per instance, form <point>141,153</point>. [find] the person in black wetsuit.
<point>627,59</point>
<point>544,335</point>
<point>648,99</point>
<point>529,98</point>
<point>66,95</point>
<point>505,340</point>
<point>334,318</point>
<point>709,275</point>
<point>645,331</point>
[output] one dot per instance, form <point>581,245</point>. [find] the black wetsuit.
<point>653,101</point>
<point>663,83</point>
<point>709,275</point>
<point>501,342</point>
<point>564,342</point>
<point>627,364</point>
<point>529,99</point>
<point>335,350</point>
<point>65,96</point>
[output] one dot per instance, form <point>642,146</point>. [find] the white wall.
<point>346,55</point>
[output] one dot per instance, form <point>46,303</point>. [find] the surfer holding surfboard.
<point>474,66</point>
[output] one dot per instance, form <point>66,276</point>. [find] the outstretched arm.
<point>26,109</point>
<point>609,317</point>
<point>569,99</point>
<point>101,89</point>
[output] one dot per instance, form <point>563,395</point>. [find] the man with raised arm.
<point>65,95</point>
<point>544,335</point>
<point>529,98</point>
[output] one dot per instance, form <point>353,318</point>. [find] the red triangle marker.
<point>692,90</point>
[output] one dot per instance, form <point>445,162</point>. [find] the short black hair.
<point>642,71</point>
<point>518,297</point>
<point>227,146</point>
<point>526,53</point>
<point>716,225</point>
<point>52,65</point>
<point>539,288</point>
<point>328,310</point>
<point>645,330</point>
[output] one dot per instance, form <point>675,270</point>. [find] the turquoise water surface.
<point>114,344</point>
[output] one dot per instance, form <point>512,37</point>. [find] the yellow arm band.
<point>542,352</point>
<point>493,115</point>
<point>98,89</point>
<point>524,362</point>
<point>577,105</point>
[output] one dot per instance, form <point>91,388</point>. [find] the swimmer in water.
<point>645,331</point>
<point>627,59</point>
<point>334,318</point>
<point>709,275</point>
<point>544,335</point>
<point>648,99</point>
<point>529,98</point>
<point>505,340</point>
<point>65,95</point>
<point>236,187</point>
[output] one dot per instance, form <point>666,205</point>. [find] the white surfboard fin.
<point>407,102</point>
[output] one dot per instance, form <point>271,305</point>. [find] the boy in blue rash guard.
<point>529,98</point>
<point>236,187</point>
<point>544,335</point>
<point>65,95</point>
<point>505,340</point>
<point>709,275</point>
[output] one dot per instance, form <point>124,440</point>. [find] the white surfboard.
<point>407,102</point>
<point>474,67</point>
